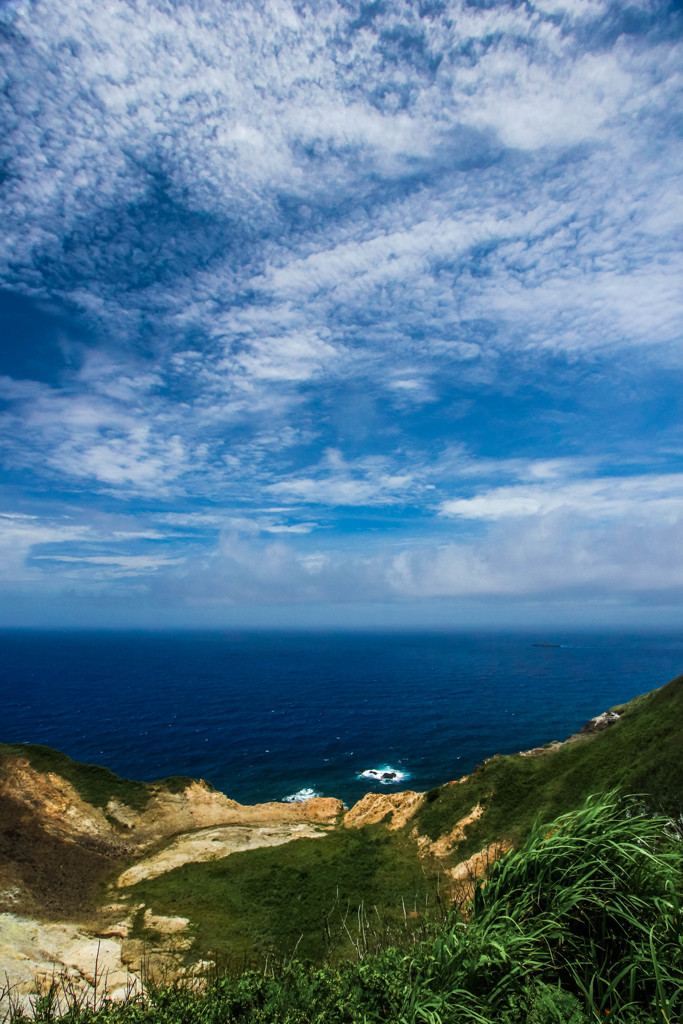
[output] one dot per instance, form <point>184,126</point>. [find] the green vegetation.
<point>96,785</point>
<point>297,896</point>
<point>639,754</point>
<point>581,924</point>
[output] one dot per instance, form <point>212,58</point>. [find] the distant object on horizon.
<point>544,643</point>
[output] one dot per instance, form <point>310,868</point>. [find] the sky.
<point>341,314</point>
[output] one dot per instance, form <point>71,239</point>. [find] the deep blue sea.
<point>266,716</point>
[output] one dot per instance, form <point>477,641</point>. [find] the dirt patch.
<point>466,876</point>
<point>445,845</point>
<point>214,844</point>
<point>45,873</point>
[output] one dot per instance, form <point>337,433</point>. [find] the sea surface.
<point>269,716</point>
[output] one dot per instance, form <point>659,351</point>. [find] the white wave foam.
<point>387,775</point>
<point>298,798</point>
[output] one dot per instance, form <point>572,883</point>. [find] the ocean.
<point>270,716</point>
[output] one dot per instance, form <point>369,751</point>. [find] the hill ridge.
<point>138,866</point>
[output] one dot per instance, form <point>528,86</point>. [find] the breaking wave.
<point>298,798</point>
<point>387,775</point>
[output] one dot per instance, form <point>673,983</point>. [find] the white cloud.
<point>561,555</point>
<point>558,555</point>
<point>289,528</point>
<point>114,566</point>
<point>294,357</point>
<point>605,498</point>
<point>532,105</point>
<point>96,438</point>
<point>20,535</point>
<point>308,254</point>
<point>368,481</point>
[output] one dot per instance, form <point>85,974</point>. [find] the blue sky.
<point>341,313</point>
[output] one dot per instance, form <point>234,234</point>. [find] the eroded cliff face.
<point>60,854</point>
<point>446,844</point>
<point>57,808</point>
<point>198,807</point>
<point>32,953</point>
<point>393,810</point>
<point>120,830</point>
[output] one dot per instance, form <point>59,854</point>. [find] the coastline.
<point>75,835</point>
<point>273,715</point>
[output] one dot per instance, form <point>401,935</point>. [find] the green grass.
<point>582,924</point>
<point>596,893</point>
<point>96,785</point>
<point>297,896</point>
<point>639,754</point>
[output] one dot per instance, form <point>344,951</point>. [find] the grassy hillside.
<point>318,896</point>
<point>640,754</point>
<point>582,924</point>
<point>96,785</point>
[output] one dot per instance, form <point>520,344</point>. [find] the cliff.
<point>71,847</point>
<point>118,828</point>
<point>94,867</point>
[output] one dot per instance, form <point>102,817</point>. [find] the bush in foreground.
<point>581,924</point>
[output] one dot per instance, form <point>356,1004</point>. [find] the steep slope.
<point>65,826</point>
<point>638,749</point>
<point>180,869</point>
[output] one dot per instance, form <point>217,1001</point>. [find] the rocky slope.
<point>118,829</point>
<point>76,841</point>
<point>60,855</point>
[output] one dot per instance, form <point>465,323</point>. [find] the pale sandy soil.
<point>214,844</point>
<point>33,953</point>
<point>58,834</point>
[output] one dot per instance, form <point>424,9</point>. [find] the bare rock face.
<point>58,807</point>
<point>466,875</point>
<point>33,953</point>
<point>119,829</point>
<point>321,808</point>
<point>600,723</point>
<point>198,806</point>
<point>165,925</point>
<point>375,807</point>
